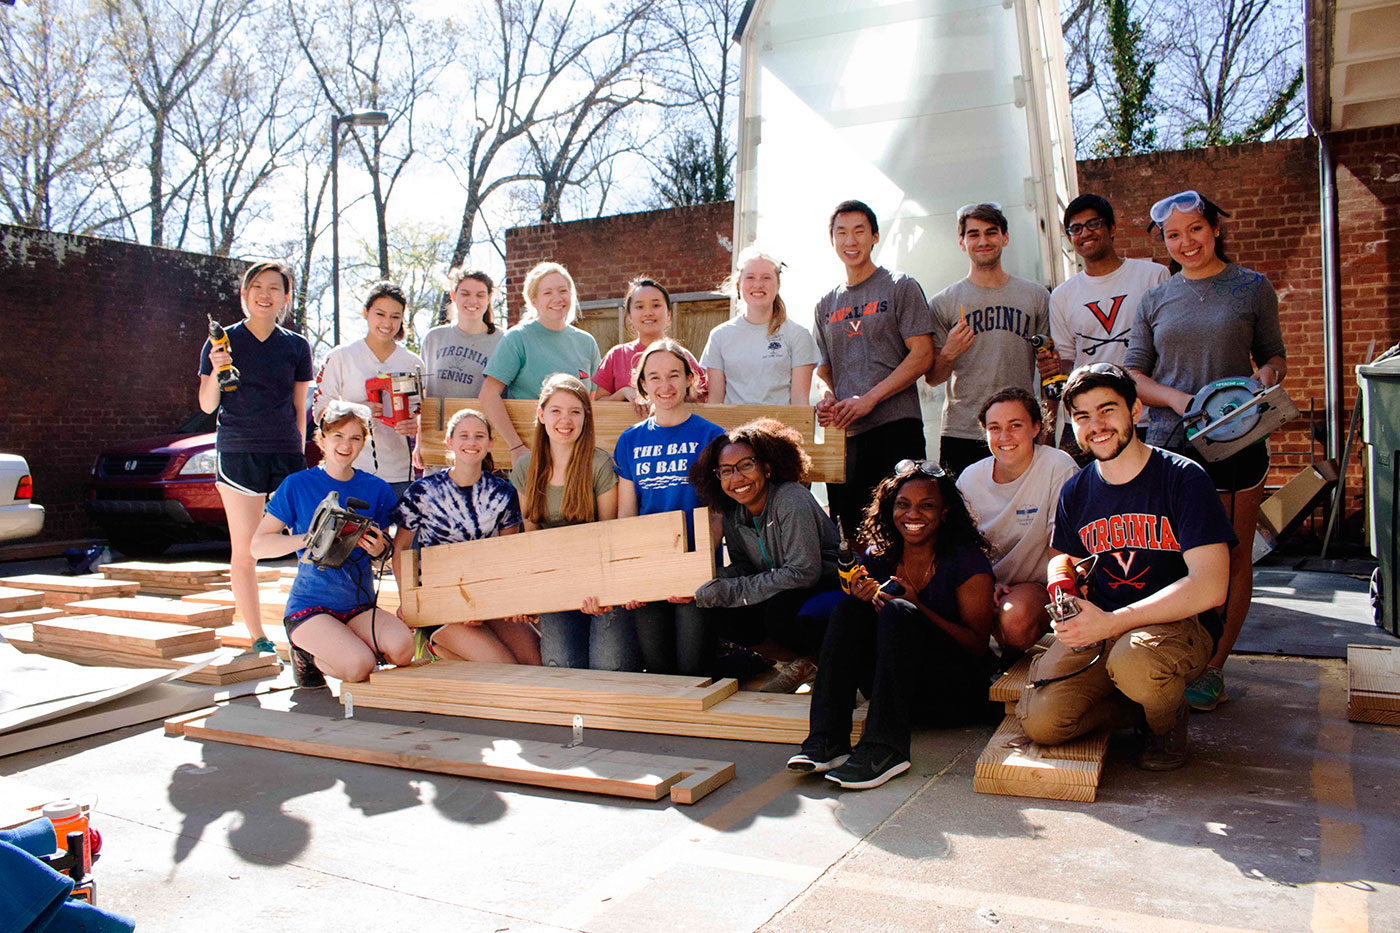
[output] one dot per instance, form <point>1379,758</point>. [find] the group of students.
<point>952,557</point>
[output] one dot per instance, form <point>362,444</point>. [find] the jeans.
<point>601,643</point>
<point>675,639</point>
<point>905,664</point>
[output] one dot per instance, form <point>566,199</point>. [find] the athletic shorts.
<point>1243,469</point>
<point>293,621</point>
<point>256,474</point>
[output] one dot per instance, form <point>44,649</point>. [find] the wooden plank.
<point>642,558</point>
<point>13,599</point>
<point>155,609</point>
<point>175,725</point>
<point>612,418</point>
<point>543,764</point>
<point>133,636</point>
<point>219,667</point>
<point>58,589</point>
<point>148,705</point>
<point>1010,765</point>
<point>31,615</point>
<point>1373,684</point>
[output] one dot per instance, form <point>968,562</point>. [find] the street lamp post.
<point>353,118</point>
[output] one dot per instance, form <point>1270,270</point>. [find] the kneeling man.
<point>1148,625</point>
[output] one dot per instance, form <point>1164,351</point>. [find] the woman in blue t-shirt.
<point>261,437</point>
<point>652,459</point>
<point>331,618</point>
<point>466,502</point>
<point>913,635</point>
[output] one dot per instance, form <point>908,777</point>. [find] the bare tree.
<point>164,49</point>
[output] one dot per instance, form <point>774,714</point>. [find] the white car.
<point>19,516</point>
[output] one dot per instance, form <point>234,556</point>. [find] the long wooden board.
<point>217,668</point>
<point>612,418</point>
<point>155,609</point>
<point>555,569</point>
<point>132,636</point>
<point>543,764</point>
<point>13,599</point>
<point>1009,765</point>
<point>59,590</point>
<point>31,615</point>
<point>1373,684</point>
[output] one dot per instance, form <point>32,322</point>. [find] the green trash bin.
<point>1380,400</point>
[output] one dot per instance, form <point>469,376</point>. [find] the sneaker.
<point>869,766</point>
<point>1168,751</point>
<point>1208,691</point>
<point>817,758</point>
<point>305,673</point>
<point>423,645</point>
<point>264,645</point>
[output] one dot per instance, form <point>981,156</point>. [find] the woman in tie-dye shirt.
<point>464,503</point>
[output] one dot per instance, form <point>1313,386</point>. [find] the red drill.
<point>1064,584</point>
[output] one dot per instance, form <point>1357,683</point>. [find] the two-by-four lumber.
<point>543,764</point>
<point>134,636</point>
<point>59,590</point>
<point>1008,687</point>
<point>610,419</point>
<point>1012,764</point>
<point>219,667</point>
<point>155,608</point>
<point>1373,684</point>
<point>642,558</point>
<point>14,600</point>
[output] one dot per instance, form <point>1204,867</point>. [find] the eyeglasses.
<point>747,466</point>
<point>969,208</point>
<point>926,467</point>
<point>1096,223</point>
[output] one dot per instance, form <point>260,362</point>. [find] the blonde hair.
<point>532,286</point>
<point>488,464</point>
<point>730,286</point>
<point>579,504</point>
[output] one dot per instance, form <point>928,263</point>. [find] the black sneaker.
<point>305,673</point>
<point>1168,751</point>
<point>869,766</point>
<point>817,758</point>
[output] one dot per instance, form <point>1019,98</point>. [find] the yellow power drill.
<point>846,565</point>
<point>218,340</point>
<point>1050,386</point>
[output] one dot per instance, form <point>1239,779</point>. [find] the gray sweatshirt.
<point>790,545</point>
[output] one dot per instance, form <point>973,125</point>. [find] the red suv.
<point>147,494</point>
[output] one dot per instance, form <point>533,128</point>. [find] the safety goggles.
<point>1183,201</point>
<point>927,467</point>
<point>969,208</point>
<point>1110,369</point>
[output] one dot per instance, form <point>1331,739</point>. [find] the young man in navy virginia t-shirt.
<point>1148,625</point>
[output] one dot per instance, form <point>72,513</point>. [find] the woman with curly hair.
<point>913,635</point>
<point>782,547</point>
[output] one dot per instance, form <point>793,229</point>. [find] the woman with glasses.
<point>912,636</point>
<point>1211,320</point>
<point>782,548</point>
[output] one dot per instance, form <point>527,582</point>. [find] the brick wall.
<point>101,343</point>
<point>1271,191</point>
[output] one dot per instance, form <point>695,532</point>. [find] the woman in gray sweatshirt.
<point>780,582</point>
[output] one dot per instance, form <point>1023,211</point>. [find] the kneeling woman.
<point>331,619</point>
<point>782,547</point>
<point>920,650</point>
<point>465,503</point>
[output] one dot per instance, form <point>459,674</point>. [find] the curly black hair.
<point>878,531</point>
<point>774,444</point>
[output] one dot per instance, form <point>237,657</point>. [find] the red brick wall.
<point>101,343</point>
<point>1271,191</point>
<point>686,249</point>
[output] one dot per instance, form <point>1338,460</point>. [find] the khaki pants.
<point>1147,667</point>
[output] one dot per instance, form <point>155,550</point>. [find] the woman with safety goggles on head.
<point>1211,320</point>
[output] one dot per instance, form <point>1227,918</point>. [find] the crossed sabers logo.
<point>855,328</point>
<point>1135,581</point>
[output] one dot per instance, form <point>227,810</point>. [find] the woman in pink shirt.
<point>648,308</point>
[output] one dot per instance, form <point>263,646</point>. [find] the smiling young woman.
<point>648,308</point>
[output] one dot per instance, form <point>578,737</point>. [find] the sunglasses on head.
<point>926,467</point>
<point>969,208</point>
<point>1111,369</point>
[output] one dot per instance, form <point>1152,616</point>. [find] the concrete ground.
<point>1285,820</point>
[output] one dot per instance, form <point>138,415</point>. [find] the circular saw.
<point>1228,415</point>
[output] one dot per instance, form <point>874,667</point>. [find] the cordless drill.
<point>218,341</point>
<point>1050,386</point>
<point>846,568</point>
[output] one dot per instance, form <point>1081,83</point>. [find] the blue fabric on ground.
<point>34,897</point>
<point>36,837</point>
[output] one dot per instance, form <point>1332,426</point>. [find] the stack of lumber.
<point>60,590</point>
<point>544,764</point>
<point>178,578</point>
<point>122,642</point>
<point>612,418</point>
<point>1012,764</point>
<point>154,608</point>
<point>13,599</point>
<point>1373,688</point>
<point>660,704</point>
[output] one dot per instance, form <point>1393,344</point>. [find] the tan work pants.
<point>1147,667</point>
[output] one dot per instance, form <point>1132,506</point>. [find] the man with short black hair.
<point>873,334</point>
<point>982,327</point>
<point>1092,312</point>
<point>1148,626</point>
